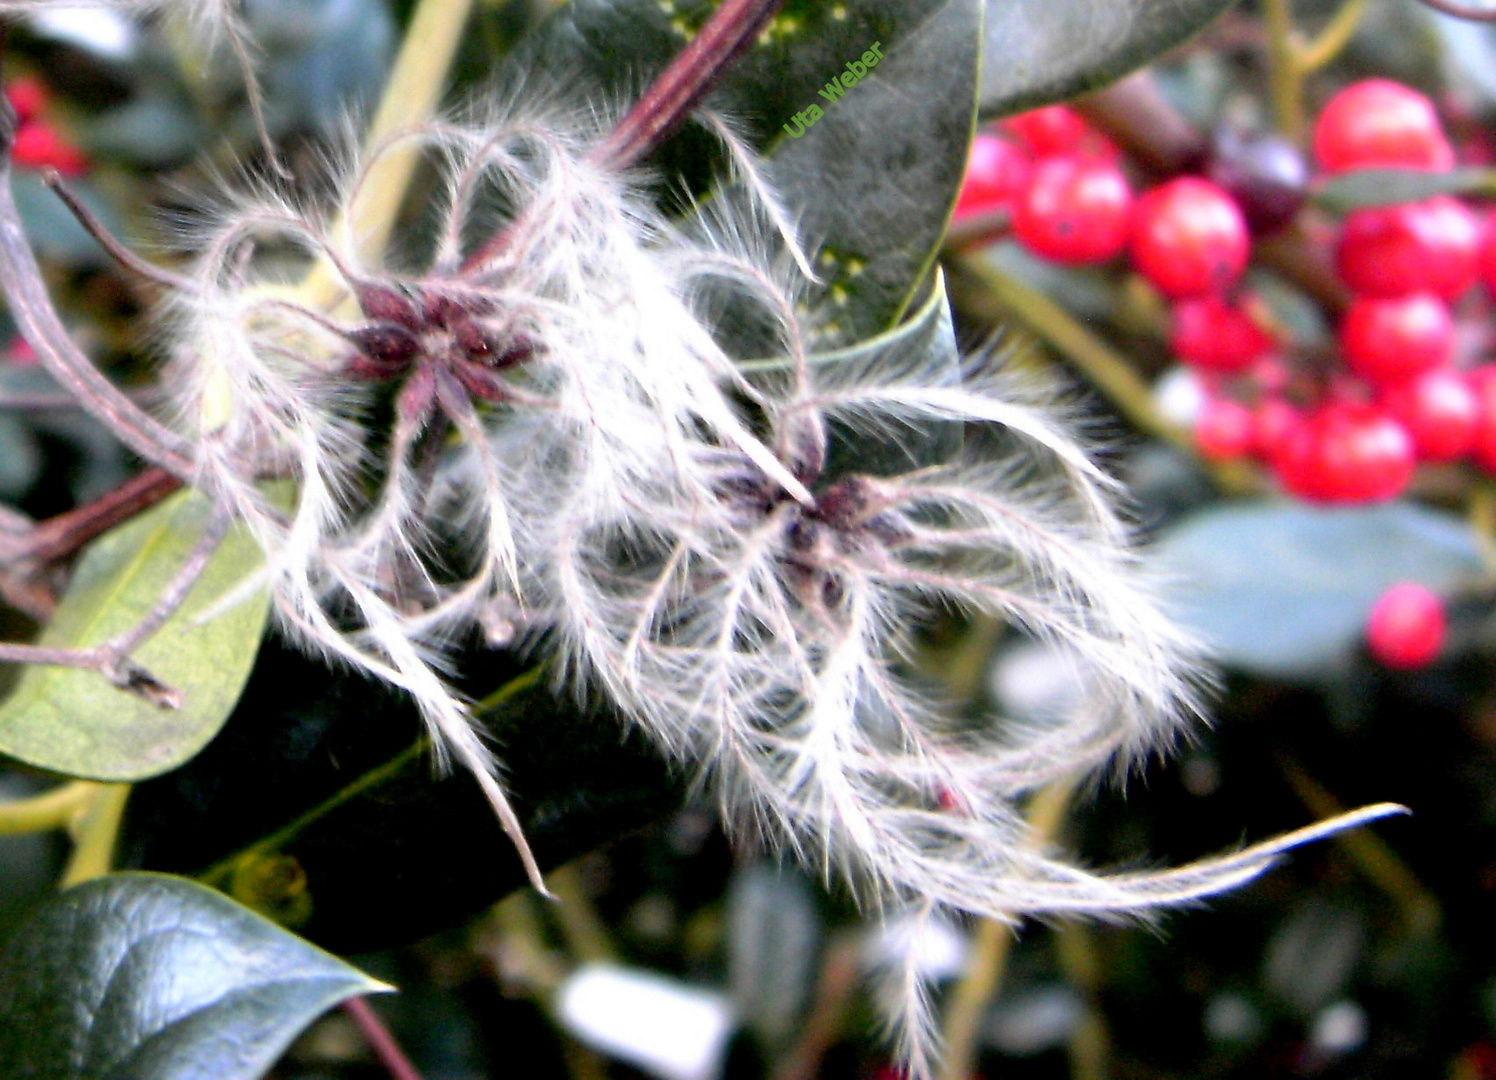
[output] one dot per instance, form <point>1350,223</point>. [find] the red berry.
<point>1054,129</point>
<point>28,97</point>
<point>1273,422</point>
<point>1439,410</point>
<point>1074,211</point>
<point>1223,430</point>
<point>1346,452</point>
<point>1391,250</point>
<point>1406,628</point>
<point>1211,335</point>
<point>38,146</point>
<point>1485,258</point>
<point>996,172</point>
<point>1483,447</point>
<point>1189,238</point>
<point>1390,341</point>
<point>1380,124</point>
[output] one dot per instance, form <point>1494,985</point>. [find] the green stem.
<point>1285,78</point>
<point>55,809</point>
<point>990,949</point>
<point>411,95</point>
<point>1329,42</point>
<point>96,833</point>
<point>1110,372</point>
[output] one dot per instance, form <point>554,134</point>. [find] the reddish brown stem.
<point>380,1040</point>
<point>61,536</point>
<point>700,65</point>
<point>672,96</point>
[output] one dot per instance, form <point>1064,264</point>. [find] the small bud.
<point>388,346</point>
<point>385,305</point>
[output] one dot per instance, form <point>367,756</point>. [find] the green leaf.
<point>871,183</point>
<point>148,977</point>
<point>321,792</point>
<point>1037,52</point>
<point>74,721</point>
<point>1284,590</point>
<point>1387,187</point>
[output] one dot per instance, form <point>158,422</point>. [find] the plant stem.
<point>698,68</point>
<point>585,933</point>
<point>1112,374</point>
<point>410,98</point>
<point>61,536</point>
<point>96,833</point>
<point>1285,79</point>
<point>990,949</point>
<point>1334,37</point>
<point>1137,117</point>
<point>55,809</point>
<point>380,1040</point>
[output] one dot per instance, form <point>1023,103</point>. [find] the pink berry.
<point>1273,423</point>
<point>996,172</point>
<point>1428,246</point>
<point>1346,452</point>
<point>1054,129</point>
<point>38,146</point>
<point>1388,341</point>
<point>1189,238</point>
<point>1074,211</point>
<point>1406,628</point>
<point>1380,124</point>
<point>28,97</point>
<point>1439,410</point>
<point>1210,334</point>
<point>1223,430</point>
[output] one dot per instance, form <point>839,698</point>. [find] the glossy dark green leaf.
<point>148,977</point>
<point>871,183</point>
<point>321,793</point>
<point>74,721</point>
<point>1037,52</point>
<point>1386,187</point>
<point>1284,590</point>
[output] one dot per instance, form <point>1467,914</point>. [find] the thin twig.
<point>380,1040</point>
<point>112,247</point>
<point>64,535</point>
<point>989,952</point>
<point>698,68</point>
<point>32,309</point>
<point>672,96</point>
<point>1337,33</point>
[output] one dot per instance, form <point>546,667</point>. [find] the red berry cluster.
<point>1395,395</point>
<point>39,145</point>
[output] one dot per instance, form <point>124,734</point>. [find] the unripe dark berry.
<point>1440,412</point>
<point>1075,210</point>
<point>1406,628</point>
<point>1210,334</point>
<point>1388,341</point>
<point>1223,430</point>
<point>997,170</point>
<point>1428,246</point>
<point>1380,124</point>
<point>1189,238</point>
<point>1346,452</point>
<point>1264,173</point>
